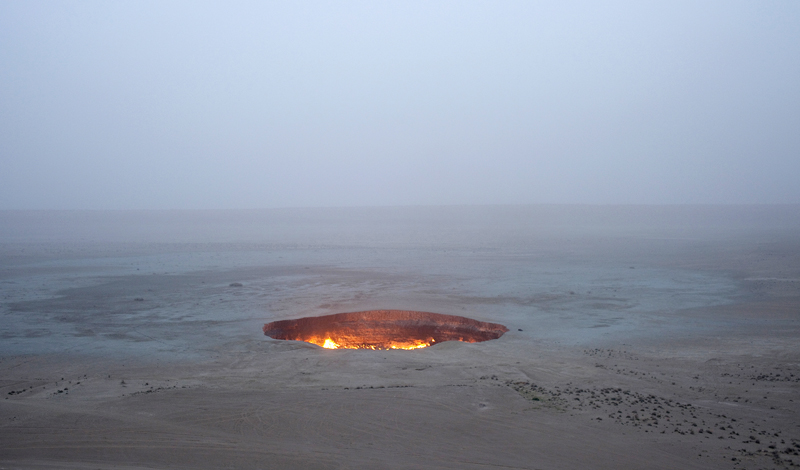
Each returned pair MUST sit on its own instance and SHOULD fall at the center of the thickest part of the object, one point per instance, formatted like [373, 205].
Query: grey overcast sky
[193, 105]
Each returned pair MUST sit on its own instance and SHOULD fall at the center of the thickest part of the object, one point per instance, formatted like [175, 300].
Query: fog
[191, 105]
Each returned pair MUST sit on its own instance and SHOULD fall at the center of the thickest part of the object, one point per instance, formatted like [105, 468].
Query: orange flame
[329, 343]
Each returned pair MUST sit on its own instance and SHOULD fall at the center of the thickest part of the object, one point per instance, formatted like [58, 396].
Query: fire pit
[383, 329]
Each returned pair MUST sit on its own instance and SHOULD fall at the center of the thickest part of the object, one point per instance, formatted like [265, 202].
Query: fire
[329, 343]
[415, 345]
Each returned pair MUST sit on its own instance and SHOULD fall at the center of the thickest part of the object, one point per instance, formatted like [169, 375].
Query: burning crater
[383, 329]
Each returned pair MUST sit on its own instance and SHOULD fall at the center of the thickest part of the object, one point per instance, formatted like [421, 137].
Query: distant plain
[640, 337]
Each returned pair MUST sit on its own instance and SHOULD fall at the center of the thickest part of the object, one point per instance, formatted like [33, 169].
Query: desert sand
[638, 338]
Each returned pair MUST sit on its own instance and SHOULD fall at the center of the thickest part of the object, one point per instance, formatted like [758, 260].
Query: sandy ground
[624, 351]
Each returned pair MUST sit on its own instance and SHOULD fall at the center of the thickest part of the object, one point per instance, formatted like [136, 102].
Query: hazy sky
[149, 105]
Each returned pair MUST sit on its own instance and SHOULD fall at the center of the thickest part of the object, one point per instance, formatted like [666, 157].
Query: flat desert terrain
[639, 337]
